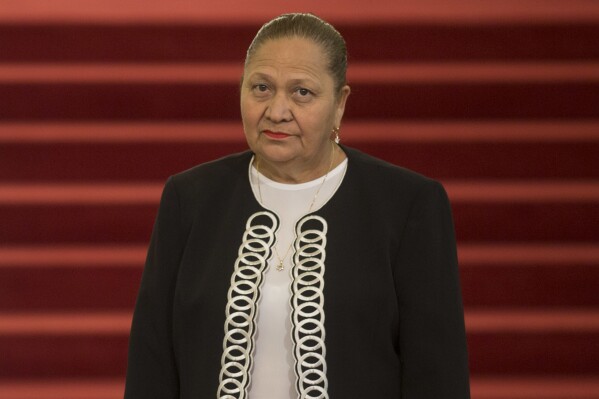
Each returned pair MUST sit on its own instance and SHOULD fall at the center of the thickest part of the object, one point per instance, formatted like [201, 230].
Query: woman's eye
[260, 88]
[302, 94]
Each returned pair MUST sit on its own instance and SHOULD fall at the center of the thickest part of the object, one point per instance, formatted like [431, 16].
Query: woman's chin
[277, 154]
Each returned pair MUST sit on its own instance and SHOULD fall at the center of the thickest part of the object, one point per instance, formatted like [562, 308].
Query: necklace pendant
[280, 266]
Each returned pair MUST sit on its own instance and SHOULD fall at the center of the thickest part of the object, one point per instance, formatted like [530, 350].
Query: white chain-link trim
[238, 343]
[307, 308]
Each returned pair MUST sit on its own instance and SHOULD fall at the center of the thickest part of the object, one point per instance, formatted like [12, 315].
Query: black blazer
[385, 316]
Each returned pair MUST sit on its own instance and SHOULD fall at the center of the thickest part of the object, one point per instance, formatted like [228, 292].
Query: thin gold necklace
[280, 266]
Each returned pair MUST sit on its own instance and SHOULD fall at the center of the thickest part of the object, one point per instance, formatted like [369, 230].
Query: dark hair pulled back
[308, 26]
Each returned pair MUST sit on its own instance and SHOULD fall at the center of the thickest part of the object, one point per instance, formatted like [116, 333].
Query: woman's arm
[151, 370]
[432, 341]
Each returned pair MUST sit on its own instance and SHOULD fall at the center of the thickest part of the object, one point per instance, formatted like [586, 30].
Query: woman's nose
[279, 108]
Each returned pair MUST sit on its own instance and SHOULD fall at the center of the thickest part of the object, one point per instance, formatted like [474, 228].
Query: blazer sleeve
[151, 369]
[432, 339]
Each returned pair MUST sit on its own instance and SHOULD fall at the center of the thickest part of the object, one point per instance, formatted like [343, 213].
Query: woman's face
[288, 103]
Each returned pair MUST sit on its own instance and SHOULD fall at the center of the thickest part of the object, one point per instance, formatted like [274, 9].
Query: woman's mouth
[276, 135]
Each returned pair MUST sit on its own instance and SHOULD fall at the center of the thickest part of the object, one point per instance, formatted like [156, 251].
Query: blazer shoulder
[389, 176]
[214, 173]
[206, 185]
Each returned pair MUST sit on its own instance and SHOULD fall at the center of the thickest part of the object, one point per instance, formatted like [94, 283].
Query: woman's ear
[341, 100]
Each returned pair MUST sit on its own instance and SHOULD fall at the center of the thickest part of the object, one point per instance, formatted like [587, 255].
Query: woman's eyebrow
[302, 81]
[260, 75]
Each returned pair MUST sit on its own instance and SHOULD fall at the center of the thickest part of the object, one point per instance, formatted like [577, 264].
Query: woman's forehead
[289, 56]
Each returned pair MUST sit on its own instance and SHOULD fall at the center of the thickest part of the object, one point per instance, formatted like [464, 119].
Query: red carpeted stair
[99, 105]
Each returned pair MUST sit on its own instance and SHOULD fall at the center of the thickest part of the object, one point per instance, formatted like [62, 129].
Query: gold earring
[336, 133]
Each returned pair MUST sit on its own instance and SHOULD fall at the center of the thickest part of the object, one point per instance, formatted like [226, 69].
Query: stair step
[73, 256]
[57, 324]
[532, 321]
[386, 101]
[357, 132]
[63, 356]
[63, 389]
[567, 33]
[526, 222]
[74, 288]
[500, 342]
[115, 286]
[231, 11]
[493, 276]
[76, 224]
[520, 276]
[565, 285]
[562, 387]
[459, 192]
[500, 149]
[471, 255]
[358, 73]
[481, 388]
[132, 223]
[127, 161]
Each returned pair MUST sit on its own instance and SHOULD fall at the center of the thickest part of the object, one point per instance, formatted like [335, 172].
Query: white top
[273, 376]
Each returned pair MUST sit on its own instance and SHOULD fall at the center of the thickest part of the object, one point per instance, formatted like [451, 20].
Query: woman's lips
[276, 135]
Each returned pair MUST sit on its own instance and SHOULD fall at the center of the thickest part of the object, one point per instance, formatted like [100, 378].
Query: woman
[301, 268]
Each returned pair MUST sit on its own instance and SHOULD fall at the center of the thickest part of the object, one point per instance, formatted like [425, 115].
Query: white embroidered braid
[307, 308]
[243, 294]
